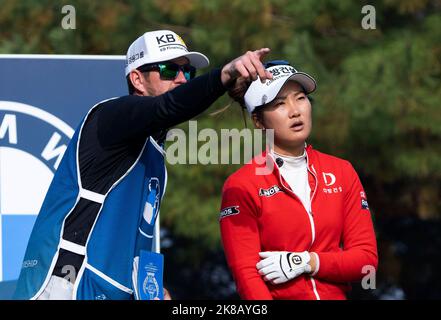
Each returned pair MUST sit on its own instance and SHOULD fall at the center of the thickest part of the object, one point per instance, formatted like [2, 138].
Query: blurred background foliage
[377, 105]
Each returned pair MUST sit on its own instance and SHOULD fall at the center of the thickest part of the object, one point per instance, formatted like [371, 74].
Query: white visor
[260, 93]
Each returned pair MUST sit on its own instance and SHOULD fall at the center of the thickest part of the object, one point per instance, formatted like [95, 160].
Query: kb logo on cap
[168, 38]
[170, 41]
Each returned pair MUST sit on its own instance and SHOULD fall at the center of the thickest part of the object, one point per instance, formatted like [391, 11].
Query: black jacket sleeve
[133, 117]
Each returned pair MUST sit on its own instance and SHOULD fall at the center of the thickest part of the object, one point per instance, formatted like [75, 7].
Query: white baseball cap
[260, 93]
[159, 46]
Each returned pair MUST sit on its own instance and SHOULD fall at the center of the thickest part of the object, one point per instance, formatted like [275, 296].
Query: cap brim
[196, 59]
[306, 81]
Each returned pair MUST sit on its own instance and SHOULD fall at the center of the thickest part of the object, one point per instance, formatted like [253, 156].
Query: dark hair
[130, 86]
[259, 112]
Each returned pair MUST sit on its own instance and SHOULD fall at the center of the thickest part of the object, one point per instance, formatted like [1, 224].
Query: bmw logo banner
[42, 100]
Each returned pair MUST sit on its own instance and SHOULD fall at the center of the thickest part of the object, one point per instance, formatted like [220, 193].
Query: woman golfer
[302, 229]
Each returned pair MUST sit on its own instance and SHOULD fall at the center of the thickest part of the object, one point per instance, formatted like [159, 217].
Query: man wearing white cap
[303, 230]
[101, 207]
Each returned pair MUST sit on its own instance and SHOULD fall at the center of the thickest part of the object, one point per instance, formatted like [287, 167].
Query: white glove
[281, 266]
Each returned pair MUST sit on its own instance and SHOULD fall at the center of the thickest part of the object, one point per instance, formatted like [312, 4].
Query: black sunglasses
[170, 70]
[273, 63]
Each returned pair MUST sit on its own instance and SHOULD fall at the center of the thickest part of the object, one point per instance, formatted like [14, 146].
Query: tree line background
[377, 105]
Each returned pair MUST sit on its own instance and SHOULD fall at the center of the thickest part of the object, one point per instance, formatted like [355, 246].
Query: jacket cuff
[317, 264]
[216, 82]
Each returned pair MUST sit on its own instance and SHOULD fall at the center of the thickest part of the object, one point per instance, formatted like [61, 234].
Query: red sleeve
[240, 239]
[359, 253]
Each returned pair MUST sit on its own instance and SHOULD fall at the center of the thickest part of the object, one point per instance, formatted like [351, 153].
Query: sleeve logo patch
[229, 211]
[364, 204]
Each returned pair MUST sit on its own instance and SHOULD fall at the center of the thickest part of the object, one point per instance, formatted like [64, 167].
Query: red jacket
[261, 213]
